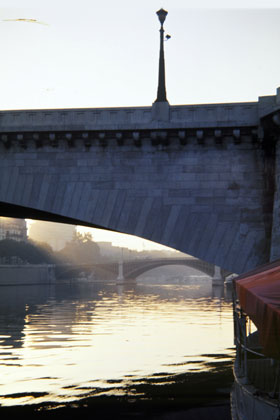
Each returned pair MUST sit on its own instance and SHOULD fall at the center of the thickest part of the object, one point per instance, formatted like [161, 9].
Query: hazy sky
[89, 53]
[105, 53]
[122, 240]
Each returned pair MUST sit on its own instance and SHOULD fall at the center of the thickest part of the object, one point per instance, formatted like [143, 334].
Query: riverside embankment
[26, 274]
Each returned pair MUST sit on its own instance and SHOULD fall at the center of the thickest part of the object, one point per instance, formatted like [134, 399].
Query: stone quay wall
[16, 275]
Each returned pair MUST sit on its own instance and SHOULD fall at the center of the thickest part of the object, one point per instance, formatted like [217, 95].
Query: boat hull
[247, 404]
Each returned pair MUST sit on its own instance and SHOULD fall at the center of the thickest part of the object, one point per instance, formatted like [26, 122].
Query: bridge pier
[217, 279]
[120, 278]
[275, 231]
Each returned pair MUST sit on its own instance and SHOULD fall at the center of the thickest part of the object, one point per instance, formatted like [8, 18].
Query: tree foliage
[80, 250]
[28, 251]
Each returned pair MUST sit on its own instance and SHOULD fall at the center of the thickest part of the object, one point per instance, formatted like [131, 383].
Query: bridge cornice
[107, 137]
[129, 118]
[49, 126]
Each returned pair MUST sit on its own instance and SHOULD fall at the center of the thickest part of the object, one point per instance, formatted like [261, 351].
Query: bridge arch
[203, 181]
[142, 267]
[132, 269]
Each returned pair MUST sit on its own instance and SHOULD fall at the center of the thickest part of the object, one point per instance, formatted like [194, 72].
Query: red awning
[259, 295]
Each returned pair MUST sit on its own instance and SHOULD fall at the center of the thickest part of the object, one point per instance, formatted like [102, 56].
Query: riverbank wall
[16, 275]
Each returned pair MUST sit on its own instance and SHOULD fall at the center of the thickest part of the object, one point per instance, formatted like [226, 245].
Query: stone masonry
[201, 181]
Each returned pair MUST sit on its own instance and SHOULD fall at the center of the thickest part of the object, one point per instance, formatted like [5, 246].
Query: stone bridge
[133, 268]
[203, 179]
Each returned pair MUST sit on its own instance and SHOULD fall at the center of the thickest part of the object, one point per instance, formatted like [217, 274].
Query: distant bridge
[133, 268]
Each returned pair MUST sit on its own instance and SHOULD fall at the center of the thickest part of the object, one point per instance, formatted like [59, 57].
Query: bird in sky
[25, 20]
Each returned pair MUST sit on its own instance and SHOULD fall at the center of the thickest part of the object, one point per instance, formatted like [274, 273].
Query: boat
[255, 393]
[229, 278]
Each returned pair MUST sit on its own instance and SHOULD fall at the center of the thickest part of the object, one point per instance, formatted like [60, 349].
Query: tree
[81, 249]
[27, 251]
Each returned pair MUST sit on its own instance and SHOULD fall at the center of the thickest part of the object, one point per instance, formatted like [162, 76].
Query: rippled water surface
[63, 342]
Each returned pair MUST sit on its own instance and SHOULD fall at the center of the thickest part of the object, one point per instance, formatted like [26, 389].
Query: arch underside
[11, 210]
[22, 212]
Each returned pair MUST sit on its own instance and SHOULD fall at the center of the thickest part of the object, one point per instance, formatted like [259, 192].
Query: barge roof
[259, 296]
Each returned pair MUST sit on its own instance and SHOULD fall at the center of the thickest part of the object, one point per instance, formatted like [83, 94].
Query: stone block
[85, 199]
[40, 163]
[204, 201]
[193, 169]
[182, 201]
[100, 206]
[12, 183]
[18, 162]
[44, 187]
[26, 191]
[207, 177]
[119, 203]
[188, 177]
[251, 215]
[171, 223]
[133, 216]
[200, 208]
[178, 192]
[207, 235]
[59, 196]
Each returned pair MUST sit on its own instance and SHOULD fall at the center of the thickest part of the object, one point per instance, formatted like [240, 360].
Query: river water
[65, 342]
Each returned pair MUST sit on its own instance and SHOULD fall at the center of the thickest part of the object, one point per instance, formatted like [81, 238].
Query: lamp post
[161, 93]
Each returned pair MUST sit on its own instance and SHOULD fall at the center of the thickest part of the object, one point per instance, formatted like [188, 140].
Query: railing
[253, 366]
[12, 260]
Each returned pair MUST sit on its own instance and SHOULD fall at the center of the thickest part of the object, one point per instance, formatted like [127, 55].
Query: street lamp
[161, 93]
[162, 15]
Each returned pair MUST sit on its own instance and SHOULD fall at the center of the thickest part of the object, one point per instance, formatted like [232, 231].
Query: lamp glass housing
[162, 15]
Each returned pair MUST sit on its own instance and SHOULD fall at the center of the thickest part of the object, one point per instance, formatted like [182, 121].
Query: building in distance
[14, 229]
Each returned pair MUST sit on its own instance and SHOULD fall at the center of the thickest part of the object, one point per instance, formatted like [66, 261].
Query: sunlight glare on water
[63, 342]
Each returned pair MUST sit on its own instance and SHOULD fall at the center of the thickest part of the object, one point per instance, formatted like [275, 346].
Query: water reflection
[68, 341]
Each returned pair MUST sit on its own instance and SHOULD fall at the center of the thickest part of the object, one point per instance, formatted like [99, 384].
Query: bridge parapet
[129, 118]
[37, 128]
